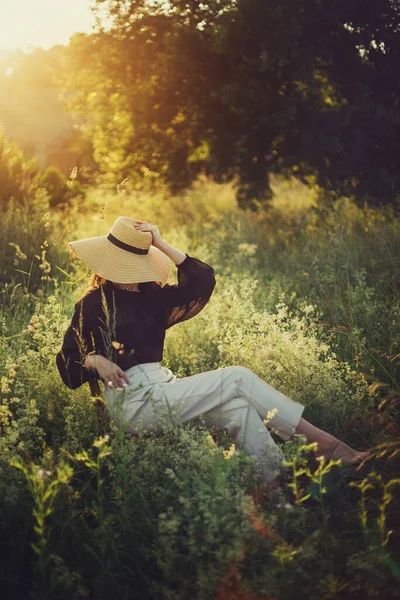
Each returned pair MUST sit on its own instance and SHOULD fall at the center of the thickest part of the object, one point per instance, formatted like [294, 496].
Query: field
[308, 298]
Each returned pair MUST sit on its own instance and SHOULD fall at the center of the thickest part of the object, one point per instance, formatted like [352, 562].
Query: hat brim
[121, 266]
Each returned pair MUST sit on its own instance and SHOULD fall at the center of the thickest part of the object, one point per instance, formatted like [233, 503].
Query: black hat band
[126, 247]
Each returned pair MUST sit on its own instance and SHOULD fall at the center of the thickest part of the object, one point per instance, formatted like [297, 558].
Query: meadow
[307, 297]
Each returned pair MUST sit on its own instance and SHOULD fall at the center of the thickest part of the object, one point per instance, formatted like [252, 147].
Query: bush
[59, 189]
[86, 511]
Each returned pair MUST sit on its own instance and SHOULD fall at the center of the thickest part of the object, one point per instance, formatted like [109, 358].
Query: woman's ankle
[326, 444]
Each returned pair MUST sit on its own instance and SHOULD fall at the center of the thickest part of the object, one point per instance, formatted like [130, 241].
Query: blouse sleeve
[77, 343]
[184, 300]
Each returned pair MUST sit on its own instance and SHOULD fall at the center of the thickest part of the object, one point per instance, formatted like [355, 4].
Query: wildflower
[5, 388]
[34, 323]
[118, 346]
[229, 453]
[309, 308]
[46, 219]
[12, 372]
[247, 249]
[101, 441]
[18, 251]
[210, 441]
[121, 187]
[270, 415]
[44, 265]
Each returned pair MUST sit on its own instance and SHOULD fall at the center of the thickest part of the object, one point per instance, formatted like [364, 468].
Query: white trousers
[233, 397]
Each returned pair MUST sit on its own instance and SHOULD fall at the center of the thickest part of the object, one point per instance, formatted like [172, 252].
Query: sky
[30, 23]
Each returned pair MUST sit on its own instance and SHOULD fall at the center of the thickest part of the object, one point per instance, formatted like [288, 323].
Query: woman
[117, 335]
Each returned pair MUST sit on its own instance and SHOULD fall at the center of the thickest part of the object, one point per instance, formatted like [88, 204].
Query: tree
[16, 171]
[248, 87]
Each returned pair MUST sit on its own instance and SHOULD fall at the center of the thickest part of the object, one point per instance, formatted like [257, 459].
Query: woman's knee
[240, 370]
[241, 377]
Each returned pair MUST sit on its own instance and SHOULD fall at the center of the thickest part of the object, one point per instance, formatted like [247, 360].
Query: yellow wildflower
[209, 442]
[270, 415]
[229, 453]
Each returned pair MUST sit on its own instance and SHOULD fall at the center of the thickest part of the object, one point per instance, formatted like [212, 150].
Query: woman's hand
[108, 371]
[144, 226]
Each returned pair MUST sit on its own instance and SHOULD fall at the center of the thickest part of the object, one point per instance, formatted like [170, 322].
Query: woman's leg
[248, 431]
[232, 397]
[328, 445]
[286, 412]
[190, 397]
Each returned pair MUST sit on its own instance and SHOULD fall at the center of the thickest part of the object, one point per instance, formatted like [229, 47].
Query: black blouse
[129, 327]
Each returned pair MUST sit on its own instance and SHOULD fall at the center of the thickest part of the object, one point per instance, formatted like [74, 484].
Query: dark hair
[96, 281]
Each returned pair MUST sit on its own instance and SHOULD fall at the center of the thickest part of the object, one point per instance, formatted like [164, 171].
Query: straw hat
[124, 255]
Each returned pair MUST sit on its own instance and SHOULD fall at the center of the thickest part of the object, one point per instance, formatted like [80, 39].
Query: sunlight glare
[27, 24]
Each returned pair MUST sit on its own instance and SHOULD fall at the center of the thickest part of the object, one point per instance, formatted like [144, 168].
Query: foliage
[32, 113]
[58, 187]
[88, 512]
[242, 90]
[31, 244]
[16, 172]
[246, 89]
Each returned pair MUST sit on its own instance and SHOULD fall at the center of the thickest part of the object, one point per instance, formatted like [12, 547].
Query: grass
[307, 296]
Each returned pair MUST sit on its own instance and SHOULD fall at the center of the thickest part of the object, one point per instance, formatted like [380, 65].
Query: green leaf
[21, 271]
[64, 272]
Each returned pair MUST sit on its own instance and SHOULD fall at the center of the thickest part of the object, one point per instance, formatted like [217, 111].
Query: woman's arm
[196, 281]
[175, 255]
[184, 300]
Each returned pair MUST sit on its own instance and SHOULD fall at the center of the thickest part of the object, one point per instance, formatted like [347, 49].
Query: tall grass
[307, 297]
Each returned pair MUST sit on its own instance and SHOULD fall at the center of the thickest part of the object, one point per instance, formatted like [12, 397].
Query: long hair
[96, 281]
